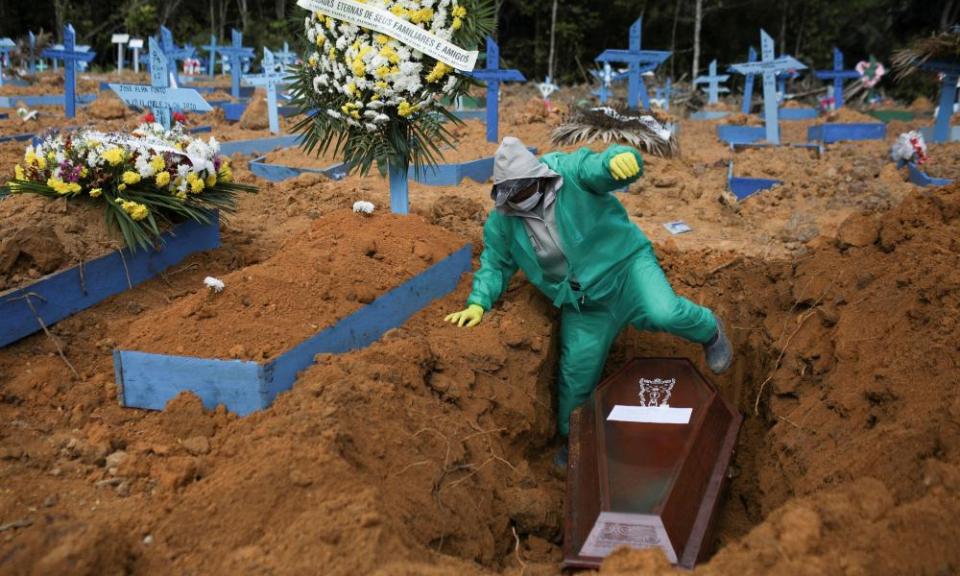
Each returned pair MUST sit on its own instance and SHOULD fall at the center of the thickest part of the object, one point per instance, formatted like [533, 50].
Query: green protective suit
[620, 280]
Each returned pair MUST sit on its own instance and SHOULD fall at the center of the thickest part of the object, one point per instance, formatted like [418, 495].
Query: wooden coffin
[643, 474]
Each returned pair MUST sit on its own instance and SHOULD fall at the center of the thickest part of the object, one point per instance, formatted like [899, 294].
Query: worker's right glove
[469, 317]
[624, 166]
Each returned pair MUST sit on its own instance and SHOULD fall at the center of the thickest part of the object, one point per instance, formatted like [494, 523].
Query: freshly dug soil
[40, 236]
[255, 117]
[943, 161]
[848, 115]
[343, 262]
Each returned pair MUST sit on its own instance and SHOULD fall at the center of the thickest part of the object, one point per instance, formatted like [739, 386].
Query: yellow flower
[321, 40]
[18, 172]
[405, 109]
[358, 67]
[438, 72]
[113, 156]
[96, 192]
[122, 187]
[181, 195]
[457, 23]
[130, 178]
[30, 157]
[331, 23]
[382, 72]
[162, 179]
[195, 182]
[351, 88]
[84, 172]
[136, 210]
[63, 188]
[459, 12]
[398, 11]
[381, 38]
[157, 163]
[211, 180]
[390, 54]
[226, 173]
[381, 85]
[422, 15]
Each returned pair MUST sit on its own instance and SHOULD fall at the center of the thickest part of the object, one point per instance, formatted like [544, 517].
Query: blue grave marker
[71, 56]
[236, 54]
[32, 63]
[782, 82]
[748, 83]
[173, 53]
[948, 96]
[605, 77]
[6, 46]
[493, 75]
[285, 56]
[838, 75]
[160, 96]
[713, 81]
[120, 40]
[272, 76]
[211, 48]
[42, 66]
[636, 58]
[769, 66]
[136, 44]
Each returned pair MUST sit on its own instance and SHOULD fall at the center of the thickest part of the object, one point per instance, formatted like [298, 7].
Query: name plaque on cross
[648, 457]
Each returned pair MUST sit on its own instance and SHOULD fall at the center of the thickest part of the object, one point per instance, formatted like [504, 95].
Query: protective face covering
[528, 204]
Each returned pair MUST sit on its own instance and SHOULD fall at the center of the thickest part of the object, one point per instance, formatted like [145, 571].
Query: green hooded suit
[608, 257]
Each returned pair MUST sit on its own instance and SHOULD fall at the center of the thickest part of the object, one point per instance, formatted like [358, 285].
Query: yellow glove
[469, 317]
[623, 166]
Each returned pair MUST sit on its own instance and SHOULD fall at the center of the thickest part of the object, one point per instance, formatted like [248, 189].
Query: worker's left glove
[624, 166]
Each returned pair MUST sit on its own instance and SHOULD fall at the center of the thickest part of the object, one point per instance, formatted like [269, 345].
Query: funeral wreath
[145, 180]
[376, 97]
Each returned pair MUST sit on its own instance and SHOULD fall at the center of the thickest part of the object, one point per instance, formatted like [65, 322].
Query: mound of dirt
[343, 262]
[943, 161]
[107, 106]
[847, 115]
[255, 116]
[40, 236]
[921, 104]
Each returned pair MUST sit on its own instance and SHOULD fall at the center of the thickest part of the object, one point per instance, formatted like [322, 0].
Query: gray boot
[719, 351]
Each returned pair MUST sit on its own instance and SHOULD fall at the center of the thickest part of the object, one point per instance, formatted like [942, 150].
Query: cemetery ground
[429, 452]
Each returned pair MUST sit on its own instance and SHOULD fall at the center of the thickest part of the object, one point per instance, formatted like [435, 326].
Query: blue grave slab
[44, 100]
[743, 188]
[151, 380]
[741, 134]
[920, 178]
[65, 293]
[830, 133]
[278, 172]
[636, 59]
[796, 114]
[709, 115]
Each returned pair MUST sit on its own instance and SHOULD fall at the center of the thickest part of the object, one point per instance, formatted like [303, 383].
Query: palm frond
[645, 132]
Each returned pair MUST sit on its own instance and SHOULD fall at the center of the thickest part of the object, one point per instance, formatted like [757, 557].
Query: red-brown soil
[429, 452]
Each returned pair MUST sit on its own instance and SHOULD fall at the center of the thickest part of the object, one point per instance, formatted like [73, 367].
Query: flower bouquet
[145, 180]
[376, 72]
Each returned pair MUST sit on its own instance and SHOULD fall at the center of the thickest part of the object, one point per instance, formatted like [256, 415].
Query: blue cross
[948, 96]
[171, 50]
[493, 75]
[212, 49]
[71, 55]
[664, 93]
[6, 46]
[713, 81]
[748, 85]
[769, 66]
[636, 58]
[236, 54]
[838, 74]
[160, 97]
[285, 56]
[32, 64]
[608, 78]
[272, 76]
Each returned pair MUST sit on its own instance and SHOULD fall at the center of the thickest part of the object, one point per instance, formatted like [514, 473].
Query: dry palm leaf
[943, 46]
[645, 131]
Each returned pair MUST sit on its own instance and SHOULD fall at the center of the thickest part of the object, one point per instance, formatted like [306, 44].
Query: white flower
[144, 168]
[214, 284]
[363, 207]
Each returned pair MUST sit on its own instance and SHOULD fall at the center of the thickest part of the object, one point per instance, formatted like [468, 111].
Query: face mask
[528, 204]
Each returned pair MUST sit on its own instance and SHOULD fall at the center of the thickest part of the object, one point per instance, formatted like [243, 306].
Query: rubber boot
[719, 351]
